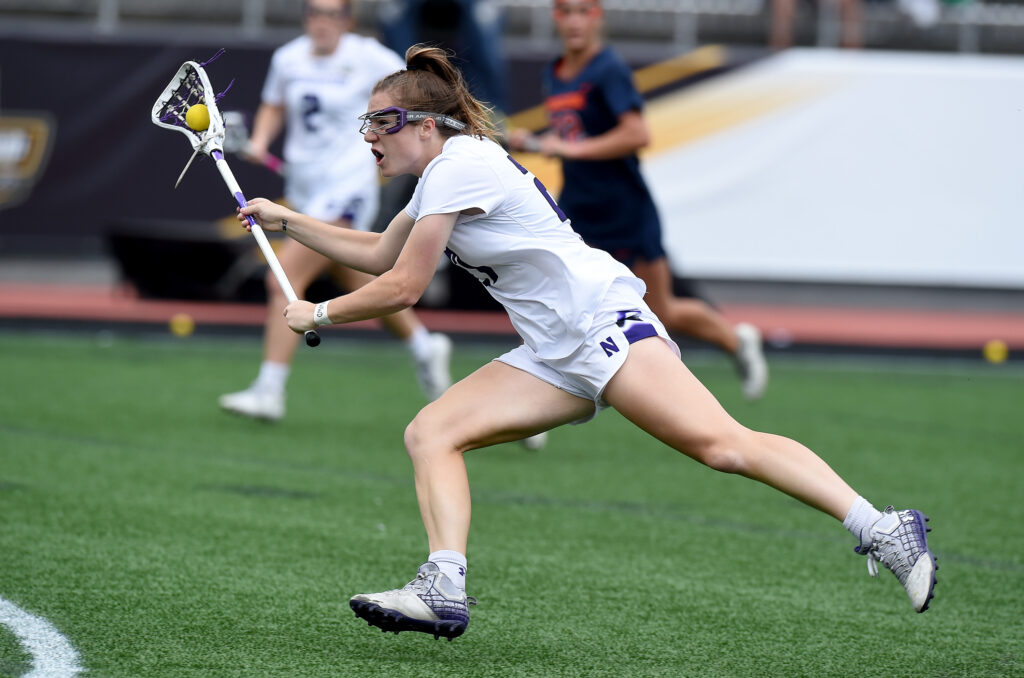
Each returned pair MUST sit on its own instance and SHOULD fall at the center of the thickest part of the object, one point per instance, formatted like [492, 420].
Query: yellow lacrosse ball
[996, 351]
[198, 117]
[182, 324]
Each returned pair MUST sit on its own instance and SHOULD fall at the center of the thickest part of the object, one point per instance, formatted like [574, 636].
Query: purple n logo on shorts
[609, 346]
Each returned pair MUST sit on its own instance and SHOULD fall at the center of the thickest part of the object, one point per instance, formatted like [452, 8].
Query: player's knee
[413, 437]
[424, 436]
[720, 452]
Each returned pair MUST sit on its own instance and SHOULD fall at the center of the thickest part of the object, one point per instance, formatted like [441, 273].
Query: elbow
[643, 138]
[640, 134]
[405, 292]
[407, 297]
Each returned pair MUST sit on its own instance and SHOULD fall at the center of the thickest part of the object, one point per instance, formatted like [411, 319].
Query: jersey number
[543, 191]
[485, 274]
[310, 107]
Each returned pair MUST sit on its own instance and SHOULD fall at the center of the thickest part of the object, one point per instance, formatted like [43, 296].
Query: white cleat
[750, 362]
[899, 541]
[430, 603]
[535, 442]
[433, 373]
[255, 404]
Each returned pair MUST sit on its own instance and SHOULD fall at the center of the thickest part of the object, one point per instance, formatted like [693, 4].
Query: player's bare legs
[683, 414]
[697, 319]
[497, 403]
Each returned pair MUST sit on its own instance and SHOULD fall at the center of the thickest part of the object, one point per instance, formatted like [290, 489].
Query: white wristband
[320, 316]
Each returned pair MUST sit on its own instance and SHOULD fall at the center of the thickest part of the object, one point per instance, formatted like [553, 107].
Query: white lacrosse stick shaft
[190, 86]
[312, 338]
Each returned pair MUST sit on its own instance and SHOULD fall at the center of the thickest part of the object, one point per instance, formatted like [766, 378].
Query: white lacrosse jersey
[522, 248]
[323, 97]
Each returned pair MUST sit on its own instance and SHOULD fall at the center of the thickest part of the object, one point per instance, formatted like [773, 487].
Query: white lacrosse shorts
[334, 201]
[623, 319]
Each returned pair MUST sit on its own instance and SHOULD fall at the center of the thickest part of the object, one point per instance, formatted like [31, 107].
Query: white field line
[52, 654]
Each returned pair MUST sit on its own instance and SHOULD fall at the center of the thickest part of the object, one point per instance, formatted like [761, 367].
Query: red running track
[782, 325]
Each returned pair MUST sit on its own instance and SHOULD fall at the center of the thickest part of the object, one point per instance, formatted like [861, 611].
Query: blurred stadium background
[86, 197]
[910, 205]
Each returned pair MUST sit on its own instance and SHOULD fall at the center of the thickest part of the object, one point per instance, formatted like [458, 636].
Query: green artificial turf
[165, 538]
[14, 660]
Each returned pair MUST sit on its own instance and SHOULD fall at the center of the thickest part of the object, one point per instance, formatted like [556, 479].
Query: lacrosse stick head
[191, 86]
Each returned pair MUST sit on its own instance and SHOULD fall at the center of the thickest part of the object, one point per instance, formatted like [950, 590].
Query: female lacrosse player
[317, 83]
[597, 129]
[590, 341]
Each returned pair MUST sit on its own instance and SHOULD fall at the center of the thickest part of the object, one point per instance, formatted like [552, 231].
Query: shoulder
[293, 51]
[296, 46]
[482, 150]
[369, 47]
[469, 174]
[609, 62]
[467, 157]
[365, 43]
[462, 148]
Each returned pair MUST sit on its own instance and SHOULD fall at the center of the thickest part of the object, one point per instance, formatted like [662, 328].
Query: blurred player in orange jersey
[597, 128]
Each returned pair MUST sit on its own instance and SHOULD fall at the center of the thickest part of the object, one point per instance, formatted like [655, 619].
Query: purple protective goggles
[392, 119]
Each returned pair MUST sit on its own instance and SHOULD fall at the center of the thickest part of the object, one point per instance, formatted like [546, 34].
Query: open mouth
[378, 155]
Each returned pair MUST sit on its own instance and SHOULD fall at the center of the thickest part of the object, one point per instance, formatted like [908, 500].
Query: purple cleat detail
[899, 541]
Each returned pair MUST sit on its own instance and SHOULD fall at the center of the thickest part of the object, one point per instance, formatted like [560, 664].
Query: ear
[427, 127]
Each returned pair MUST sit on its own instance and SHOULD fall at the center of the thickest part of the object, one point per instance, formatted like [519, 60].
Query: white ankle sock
[860, 518]
[453, 564]
[272, 376]
[420, 345]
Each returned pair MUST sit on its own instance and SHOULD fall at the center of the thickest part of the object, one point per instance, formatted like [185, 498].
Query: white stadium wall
[859, 167]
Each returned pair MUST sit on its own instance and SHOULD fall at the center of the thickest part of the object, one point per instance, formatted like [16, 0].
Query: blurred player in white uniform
[589, 341]
[317, 85]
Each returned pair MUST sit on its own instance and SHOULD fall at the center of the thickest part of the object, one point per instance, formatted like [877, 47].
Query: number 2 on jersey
[540, 187]
[310, 107]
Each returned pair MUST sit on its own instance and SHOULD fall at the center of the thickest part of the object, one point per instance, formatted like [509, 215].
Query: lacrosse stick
[236, 136]
[191, 86]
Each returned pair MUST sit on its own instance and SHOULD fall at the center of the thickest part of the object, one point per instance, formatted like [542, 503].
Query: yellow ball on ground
[995, 351]
[182, 324]
[198, 117]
